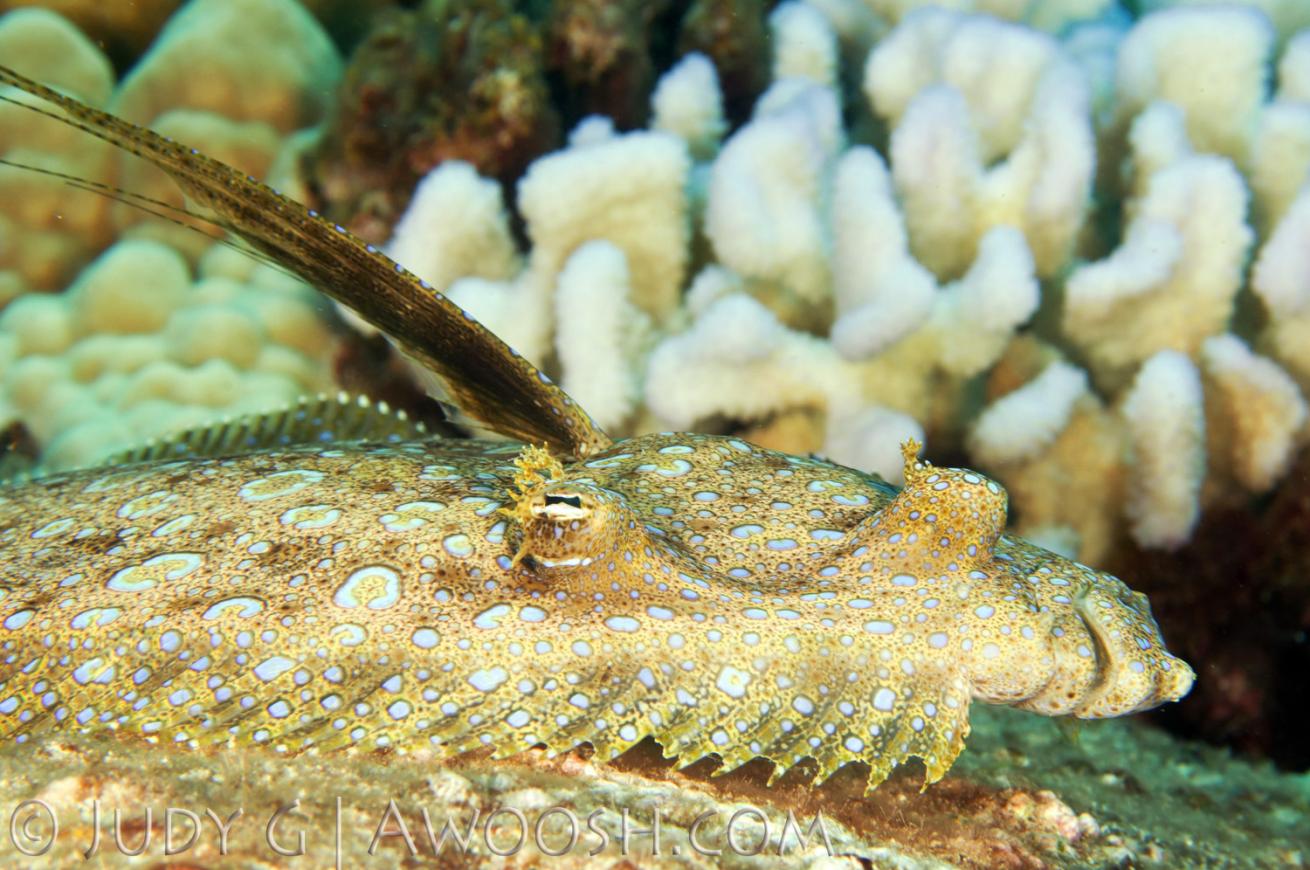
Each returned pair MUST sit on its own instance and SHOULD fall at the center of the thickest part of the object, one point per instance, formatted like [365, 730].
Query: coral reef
[166, 328]
[494, 84]
[987, 278]
[136, 348]
[452, 80]
[122, 30]
[1063, 258]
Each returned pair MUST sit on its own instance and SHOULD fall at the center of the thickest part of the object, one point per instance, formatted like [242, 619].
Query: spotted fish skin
[718, 596]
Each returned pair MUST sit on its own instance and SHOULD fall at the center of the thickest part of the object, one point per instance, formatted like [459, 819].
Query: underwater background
[1065, 243]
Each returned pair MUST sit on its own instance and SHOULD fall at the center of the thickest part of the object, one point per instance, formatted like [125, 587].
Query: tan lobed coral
[122, 29]
[157, 326]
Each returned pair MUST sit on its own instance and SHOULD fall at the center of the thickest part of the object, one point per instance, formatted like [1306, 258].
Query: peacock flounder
[417, 592]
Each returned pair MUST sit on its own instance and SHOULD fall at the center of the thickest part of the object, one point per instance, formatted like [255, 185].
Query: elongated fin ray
[158, 209]
[481, 374]
[313, 420]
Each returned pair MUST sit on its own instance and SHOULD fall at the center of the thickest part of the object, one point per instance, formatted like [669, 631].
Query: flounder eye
[566, 525]
[560, 505]
[574, 500]
[572, 508]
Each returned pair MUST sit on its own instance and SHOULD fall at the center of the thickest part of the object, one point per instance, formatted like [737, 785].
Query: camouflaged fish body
[720, 597]
[717, 596]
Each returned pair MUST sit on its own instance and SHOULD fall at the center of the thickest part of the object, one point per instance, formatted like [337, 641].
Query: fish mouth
[1129, 679]
[1184, 679]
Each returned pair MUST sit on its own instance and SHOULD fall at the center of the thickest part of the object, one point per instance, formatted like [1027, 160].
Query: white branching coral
[1281, 279]
[738, 359]
[601, 337]
[628, 190]
[1028, 420]
[960, 284]
[1287, 16]
[881, 292]
[632, 186]
[1211, 62]
[1255, 415]
[688, 104]
[804, 44]
[1184, 250]
[1164, 411]
[990, 126]
[477, 244]
[766, 194]
[1046, 15]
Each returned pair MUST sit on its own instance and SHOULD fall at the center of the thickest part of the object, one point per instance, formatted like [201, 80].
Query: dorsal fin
[483, 376]
[312, 420]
